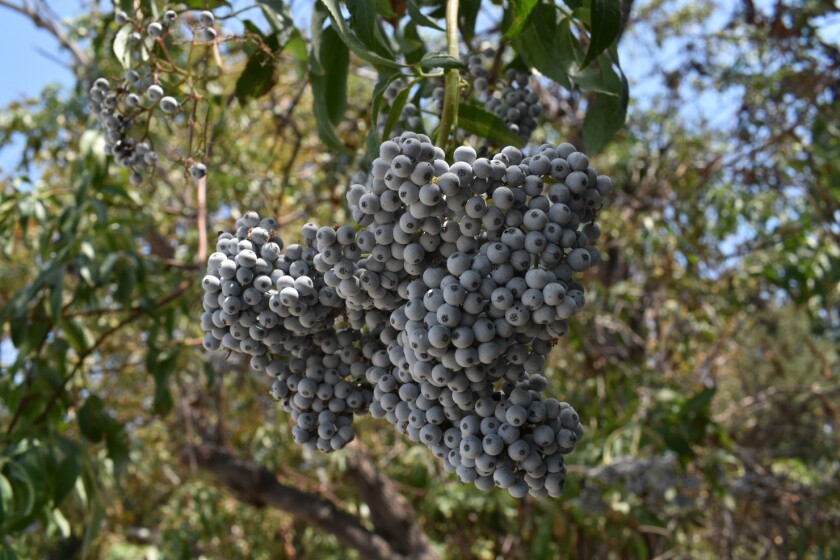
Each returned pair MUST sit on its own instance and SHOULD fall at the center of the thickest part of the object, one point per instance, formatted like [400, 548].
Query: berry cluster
[516, 103]
[117, 109]
[435, 311]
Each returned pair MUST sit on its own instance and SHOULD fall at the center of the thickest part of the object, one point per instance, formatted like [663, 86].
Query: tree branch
[258, 486]
[391, 514]
[81, 58]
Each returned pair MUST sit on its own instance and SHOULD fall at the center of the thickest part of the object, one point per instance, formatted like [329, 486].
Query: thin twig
[183, 287]
[453, 78]
[201, 220]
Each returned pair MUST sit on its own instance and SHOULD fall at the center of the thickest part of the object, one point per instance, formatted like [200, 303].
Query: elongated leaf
[420, 19]
[260, 74]
[335, 59]
[599, 77]
[352, 41]
[373, 139]
[77, 334]
[605, 117]
[605, 26]
[116, 442]
[477, 120]
[122, 49]
[437, 59]
[468, 16]
[411, 44]
[161, 370]
[206, 4]
[280, 18]
[93, 527]
[545, 45]
[366, 25]
[6, 497]
[519, 12]
[66, 474]
[329, 89]
[316, 29]
[91, 419]
[396, 111]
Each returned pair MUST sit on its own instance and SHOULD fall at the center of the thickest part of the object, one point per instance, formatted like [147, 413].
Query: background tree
[704, 365]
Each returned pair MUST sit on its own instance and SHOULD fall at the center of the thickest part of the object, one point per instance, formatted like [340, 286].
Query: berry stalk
[453, 77]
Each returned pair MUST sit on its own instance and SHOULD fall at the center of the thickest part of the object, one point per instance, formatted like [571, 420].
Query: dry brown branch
[256, 485]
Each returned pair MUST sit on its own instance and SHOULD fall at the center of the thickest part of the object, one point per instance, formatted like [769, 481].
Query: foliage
[707, 347]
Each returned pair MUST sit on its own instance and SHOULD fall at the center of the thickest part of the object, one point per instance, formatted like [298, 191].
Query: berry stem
[453, 78]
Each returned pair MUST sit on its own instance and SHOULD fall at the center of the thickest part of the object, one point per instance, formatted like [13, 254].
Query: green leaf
[122, 50]
[373, 139]
[599, 77]
[335, 60]
[605, 26]
[519, 12]
[60, 522]
[6, 496]
[365, 23]
[77, 335]
[260, 74]
[477, 120]
[206, 4]
[411, 44]
[437, 59]
[467, 17]
[352, 41]
[319, 16]
[92, 418]
[280, 19]
[7, 552]
[384, 9]
[116, 442]
[421, 19]
[162, 370]
[396, 111]
[605, 117]
[700, 401]
[329, 89]
[296, 48]
[93, 527]
[68, 470]
[546, 45]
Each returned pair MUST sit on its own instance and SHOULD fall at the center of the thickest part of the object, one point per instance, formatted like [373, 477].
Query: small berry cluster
[516, 103]
[117, 109]
[435, 311]
[409, 116]
[510, 98]
[205, 31]
[154, 29]
[123, 109]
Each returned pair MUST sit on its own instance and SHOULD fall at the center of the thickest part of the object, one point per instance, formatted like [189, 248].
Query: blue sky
[26, 70]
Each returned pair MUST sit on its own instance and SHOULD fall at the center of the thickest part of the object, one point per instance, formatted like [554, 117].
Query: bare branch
[201, 220]
[391, 514]
[258, 486]
[39, 19]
